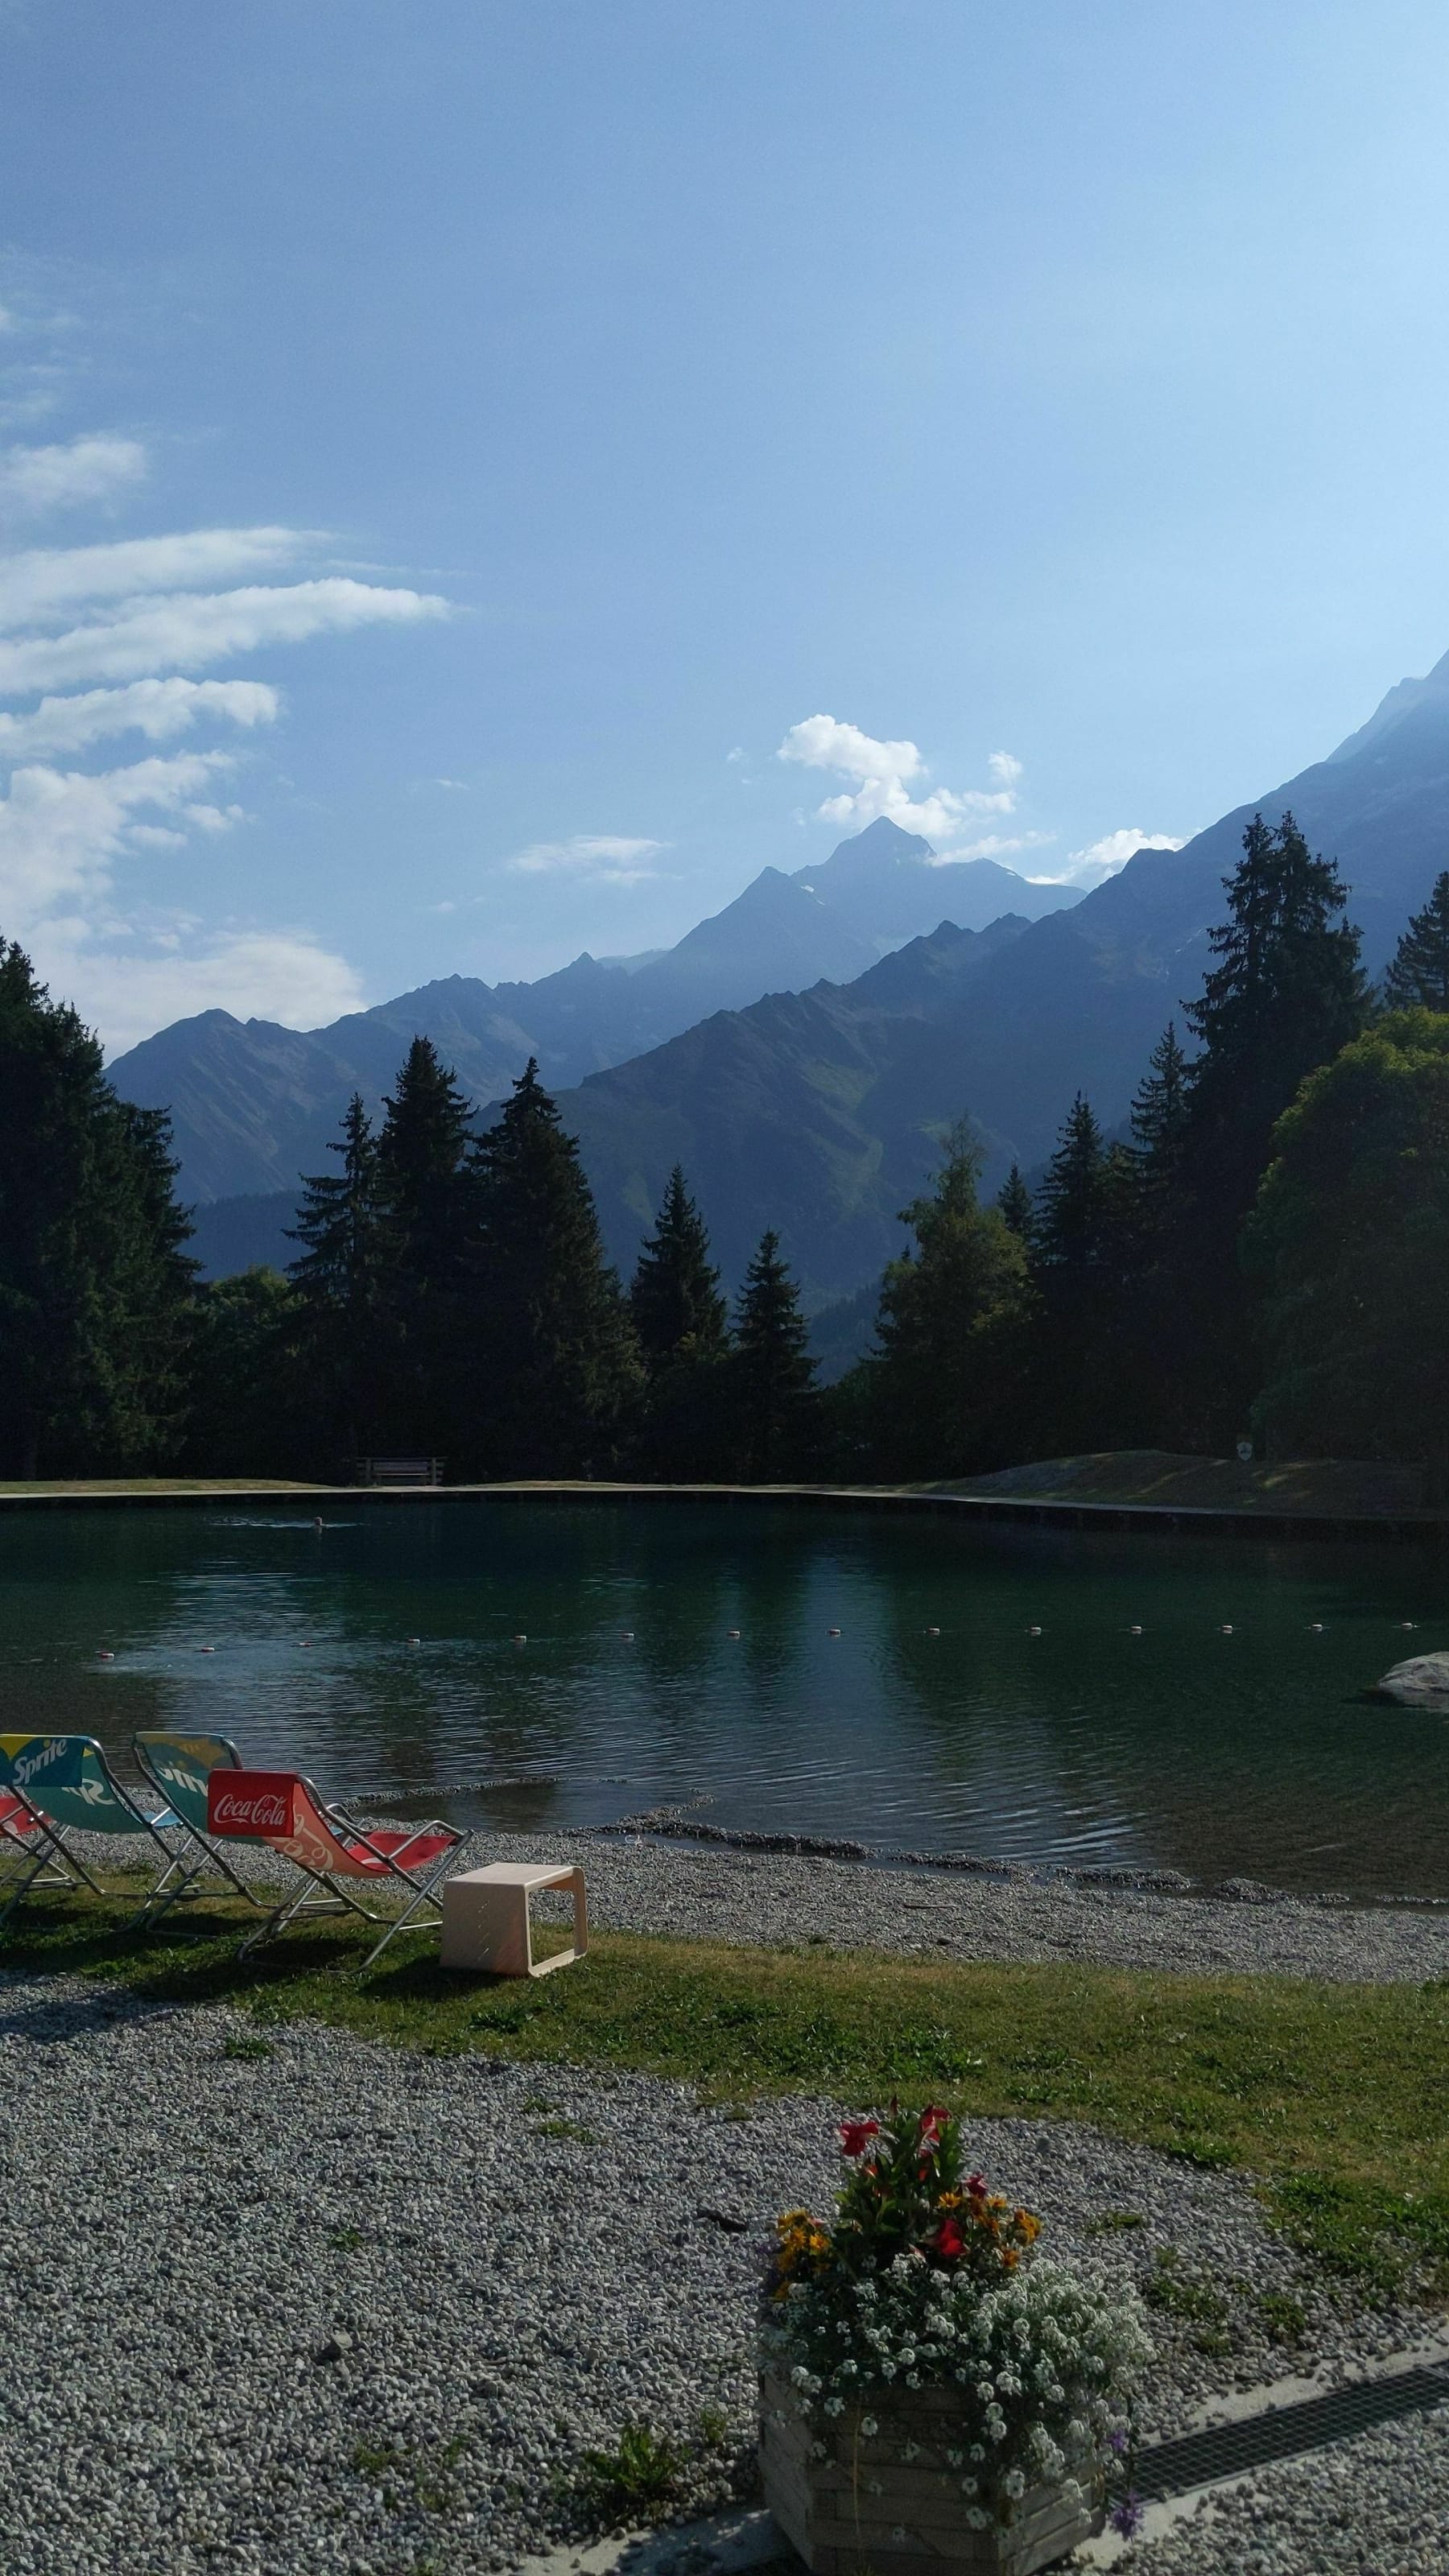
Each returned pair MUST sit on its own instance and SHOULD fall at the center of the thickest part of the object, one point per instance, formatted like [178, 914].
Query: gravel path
[724, 1893]
[1375, 2506]
[337, 2306]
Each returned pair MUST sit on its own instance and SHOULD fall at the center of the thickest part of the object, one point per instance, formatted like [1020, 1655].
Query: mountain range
[819, 1111]
[253, 1103]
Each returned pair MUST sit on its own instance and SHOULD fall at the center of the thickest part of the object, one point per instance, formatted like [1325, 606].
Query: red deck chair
[42, 1861]
[329, 1847]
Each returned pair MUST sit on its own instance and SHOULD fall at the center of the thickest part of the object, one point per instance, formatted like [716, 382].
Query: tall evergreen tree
[675, 1298]
[95, 1286]
[556, 1369]
[1418, 976]
[425, 1194]
[338, 1278]
[944, 1378]
[1159, 1116]
[1070, 1217]
[1286, 994]
[776, 1400]
[1014, 1201]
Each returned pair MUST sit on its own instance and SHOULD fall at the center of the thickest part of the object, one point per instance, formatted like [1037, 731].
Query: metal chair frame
[43, 1861]
[179, 1785]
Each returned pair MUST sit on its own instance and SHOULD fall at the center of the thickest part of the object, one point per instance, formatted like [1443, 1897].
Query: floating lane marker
[1315, 1627]
[1135, 1630]
[1406, 1623]
[104, 1655]
[206, 1650]
[520, 1641]
[732, 1632]
[1033, 1632]
[1227, 1629]
[832, 1632]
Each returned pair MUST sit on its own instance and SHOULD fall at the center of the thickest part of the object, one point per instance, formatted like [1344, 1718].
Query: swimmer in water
[317, 1522]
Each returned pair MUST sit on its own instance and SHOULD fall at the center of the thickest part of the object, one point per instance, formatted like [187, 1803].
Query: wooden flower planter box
[868, 2510]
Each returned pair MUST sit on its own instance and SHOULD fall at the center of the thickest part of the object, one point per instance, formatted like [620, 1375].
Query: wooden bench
[398, 1471]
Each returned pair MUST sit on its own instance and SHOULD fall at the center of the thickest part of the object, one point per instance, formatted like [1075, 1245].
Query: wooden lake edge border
[1020, 1510]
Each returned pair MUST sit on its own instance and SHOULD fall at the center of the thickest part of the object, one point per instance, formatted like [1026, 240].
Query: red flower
[949, 2239]
[933, 2120]
[855, 2136]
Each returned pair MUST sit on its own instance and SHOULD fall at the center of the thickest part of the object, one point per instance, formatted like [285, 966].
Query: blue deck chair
[69, 1781]
[178, 1767]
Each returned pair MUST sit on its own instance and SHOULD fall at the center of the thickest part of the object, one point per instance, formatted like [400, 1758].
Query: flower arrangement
[928, 2279]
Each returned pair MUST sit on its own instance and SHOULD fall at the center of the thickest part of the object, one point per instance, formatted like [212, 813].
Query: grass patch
[245, 2044]
[1337, 2095]
[635, 2481]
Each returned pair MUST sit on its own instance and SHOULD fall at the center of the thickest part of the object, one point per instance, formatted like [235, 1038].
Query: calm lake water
[1254, 1753]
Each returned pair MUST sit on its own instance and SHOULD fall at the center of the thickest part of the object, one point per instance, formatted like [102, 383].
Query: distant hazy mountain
[252, 1103]
[820, 1114]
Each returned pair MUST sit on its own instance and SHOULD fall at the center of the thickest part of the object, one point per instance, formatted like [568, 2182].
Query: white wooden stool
[486, 1922]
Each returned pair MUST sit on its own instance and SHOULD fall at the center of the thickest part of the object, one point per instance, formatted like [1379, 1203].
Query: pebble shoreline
[345, 2307]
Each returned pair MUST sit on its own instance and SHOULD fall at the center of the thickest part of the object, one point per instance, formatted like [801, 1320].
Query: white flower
[868, 2425]
[1013, 2485]
[976, 2520]
[835, 2406]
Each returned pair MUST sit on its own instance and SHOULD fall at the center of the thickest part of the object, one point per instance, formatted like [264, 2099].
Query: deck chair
[30, 1853]
[178, 1768]
[329, 1847]
[68, 1780]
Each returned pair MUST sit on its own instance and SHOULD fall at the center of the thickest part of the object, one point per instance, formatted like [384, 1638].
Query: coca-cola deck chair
[71, 1786]
[330, 1848]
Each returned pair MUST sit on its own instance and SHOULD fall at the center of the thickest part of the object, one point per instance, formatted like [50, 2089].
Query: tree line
[1263, 1249]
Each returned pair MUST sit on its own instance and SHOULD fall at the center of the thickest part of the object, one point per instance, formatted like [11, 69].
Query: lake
[1253, 1754]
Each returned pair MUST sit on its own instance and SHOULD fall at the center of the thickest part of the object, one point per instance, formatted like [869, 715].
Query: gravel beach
[289, 2300]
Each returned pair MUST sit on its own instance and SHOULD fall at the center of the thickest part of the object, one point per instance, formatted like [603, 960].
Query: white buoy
[414, 1641]
[628, 1636]
[732, 1632]
[1406, 1623]
[1227, 1628]
[206, 1650]
[1134, 1630]
[104, 1655]
[518, 1641]
[933, 1632]
[1315, 1627]
[1033, 1632]
[306, 1641]
[832, 1632]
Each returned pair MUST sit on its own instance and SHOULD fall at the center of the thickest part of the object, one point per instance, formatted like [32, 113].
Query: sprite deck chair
[178, 1768]
[70, 1784]
[30, 1855]
[330, 1848]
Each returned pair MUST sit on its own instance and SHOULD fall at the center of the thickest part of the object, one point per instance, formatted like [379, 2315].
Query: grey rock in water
[1421, 1677]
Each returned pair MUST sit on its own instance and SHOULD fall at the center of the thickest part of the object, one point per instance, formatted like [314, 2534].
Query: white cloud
[160, 709]
[1107, 857]
[993, 845]
[50, 581]
[187, 630]
[60, 830]
[605, 856]
[37, 479]
[283, 975]
[883, 775]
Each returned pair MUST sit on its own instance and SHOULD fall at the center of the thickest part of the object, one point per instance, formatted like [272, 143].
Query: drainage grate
[1226, 2450]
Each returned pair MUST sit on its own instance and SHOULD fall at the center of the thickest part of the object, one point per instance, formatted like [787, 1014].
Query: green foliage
[1350, 1242]
[952, 1315]
[1014, 1201]
[339, 1282]
[555, 1367]
[680, 1319]
[635, 2481]
[1418, 974]
[425, 1199]
[95, 1287]
[248, 1416]
[772, 1392]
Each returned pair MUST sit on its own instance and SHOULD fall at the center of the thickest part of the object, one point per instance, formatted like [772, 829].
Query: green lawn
[1337, 2096]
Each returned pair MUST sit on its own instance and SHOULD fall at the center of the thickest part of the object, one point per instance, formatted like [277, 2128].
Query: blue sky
[448, 450]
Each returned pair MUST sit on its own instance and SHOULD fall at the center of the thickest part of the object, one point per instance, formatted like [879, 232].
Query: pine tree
[1070, 1216]
[556, 1365]
[675, 1299]
[1160, 1107]
[1286, 993]
[1014, 1201]
[943, 1380]
[1418, 977]
[425, 1194]
[95, 1285]
[777, 1403]
[338, 1283]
